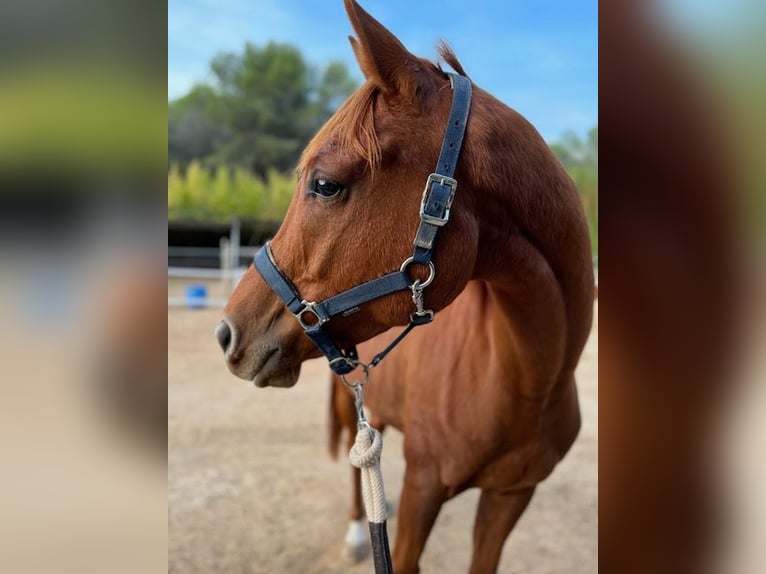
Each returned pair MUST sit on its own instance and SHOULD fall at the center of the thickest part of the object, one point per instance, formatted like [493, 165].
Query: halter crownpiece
[438, 196]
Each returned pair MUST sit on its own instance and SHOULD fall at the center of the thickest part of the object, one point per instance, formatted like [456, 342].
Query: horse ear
[381, 56]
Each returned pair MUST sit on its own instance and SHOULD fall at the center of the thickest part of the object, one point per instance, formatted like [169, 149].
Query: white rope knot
[367, 448]
[365, 455]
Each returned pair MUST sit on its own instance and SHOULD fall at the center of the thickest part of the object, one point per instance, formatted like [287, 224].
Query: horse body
[485, 397]
[486, 394]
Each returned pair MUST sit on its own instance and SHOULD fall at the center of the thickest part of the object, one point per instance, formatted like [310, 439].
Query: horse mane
[353, 125]
[447, 54]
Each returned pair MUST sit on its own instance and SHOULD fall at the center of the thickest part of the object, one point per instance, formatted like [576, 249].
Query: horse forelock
[351, 129]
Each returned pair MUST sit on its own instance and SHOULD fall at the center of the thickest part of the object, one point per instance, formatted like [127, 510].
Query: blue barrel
[196, 296]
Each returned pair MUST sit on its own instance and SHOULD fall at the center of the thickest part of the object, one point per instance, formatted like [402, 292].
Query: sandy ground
[251, 488]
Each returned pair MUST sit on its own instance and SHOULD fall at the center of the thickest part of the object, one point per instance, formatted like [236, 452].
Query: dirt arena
[251, 488]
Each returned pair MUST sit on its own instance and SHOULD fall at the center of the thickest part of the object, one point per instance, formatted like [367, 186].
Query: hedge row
[228, 192]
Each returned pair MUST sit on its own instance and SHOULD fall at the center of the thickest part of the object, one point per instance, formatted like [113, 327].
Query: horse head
[355, 213]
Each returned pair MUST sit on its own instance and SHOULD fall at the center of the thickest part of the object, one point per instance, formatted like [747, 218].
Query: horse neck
[534, 248]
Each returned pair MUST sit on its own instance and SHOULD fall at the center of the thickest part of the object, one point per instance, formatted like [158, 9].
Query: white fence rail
[228, 254]
[205, 273]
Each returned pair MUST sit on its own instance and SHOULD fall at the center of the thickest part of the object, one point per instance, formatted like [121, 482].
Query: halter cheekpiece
[435, 207]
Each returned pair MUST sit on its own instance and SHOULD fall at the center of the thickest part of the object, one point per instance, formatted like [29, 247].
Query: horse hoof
[357, 546]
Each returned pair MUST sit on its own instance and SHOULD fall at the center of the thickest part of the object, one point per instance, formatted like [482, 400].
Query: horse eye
[326, 188]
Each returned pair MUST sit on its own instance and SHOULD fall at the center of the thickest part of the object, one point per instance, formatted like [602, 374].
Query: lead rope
[365, 455]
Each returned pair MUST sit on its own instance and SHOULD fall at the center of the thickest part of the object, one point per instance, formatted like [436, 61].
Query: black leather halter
[434, 213]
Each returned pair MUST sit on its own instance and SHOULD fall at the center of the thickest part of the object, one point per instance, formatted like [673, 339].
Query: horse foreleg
[421, 500]
[495, 517]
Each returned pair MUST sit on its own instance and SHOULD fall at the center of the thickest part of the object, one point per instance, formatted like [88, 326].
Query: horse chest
[475, 435]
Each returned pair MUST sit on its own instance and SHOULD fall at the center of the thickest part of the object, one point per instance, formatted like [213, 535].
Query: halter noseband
[435, 206]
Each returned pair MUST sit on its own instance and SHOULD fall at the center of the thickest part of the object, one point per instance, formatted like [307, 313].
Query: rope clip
[421, 314]
[359, 402]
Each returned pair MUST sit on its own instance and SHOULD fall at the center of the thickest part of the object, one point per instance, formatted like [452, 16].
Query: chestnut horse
[485, 396]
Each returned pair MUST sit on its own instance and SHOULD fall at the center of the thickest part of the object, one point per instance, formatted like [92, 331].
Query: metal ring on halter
[431, 271]
[359, 383]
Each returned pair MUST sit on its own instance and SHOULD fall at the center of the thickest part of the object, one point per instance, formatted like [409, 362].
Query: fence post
[225, 257]
[235, 241]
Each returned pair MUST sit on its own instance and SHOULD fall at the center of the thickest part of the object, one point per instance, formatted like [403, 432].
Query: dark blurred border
[682, 224]
[83, 164]
[83, 332]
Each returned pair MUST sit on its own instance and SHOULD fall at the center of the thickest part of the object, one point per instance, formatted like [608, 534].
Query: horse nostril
[223, 334]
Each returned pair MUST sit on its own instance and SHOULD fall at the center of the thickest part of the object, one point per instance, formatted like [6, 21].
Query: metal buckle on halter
[441, 180]
[310, 307]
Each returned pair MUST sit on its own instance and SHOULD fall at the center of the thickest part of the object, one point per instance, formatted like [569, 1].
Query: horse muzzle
[260, 341]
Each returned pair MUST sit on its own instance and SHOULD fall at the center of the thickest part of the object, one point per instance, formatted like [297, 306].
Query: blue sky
[538, 56]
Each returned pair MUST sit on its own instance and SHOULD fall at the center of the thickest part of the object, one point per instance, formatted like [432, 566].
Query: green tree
[175, 190]
[333, 88]
[221, 196]
[280, 193]
[195, 126]
[580, 158]
[259, 112]
[196, 192]
[249, 195]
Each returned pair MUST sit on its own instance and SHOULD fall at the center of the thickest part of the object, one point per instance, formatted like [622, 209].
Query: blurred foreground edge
[670, 289]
